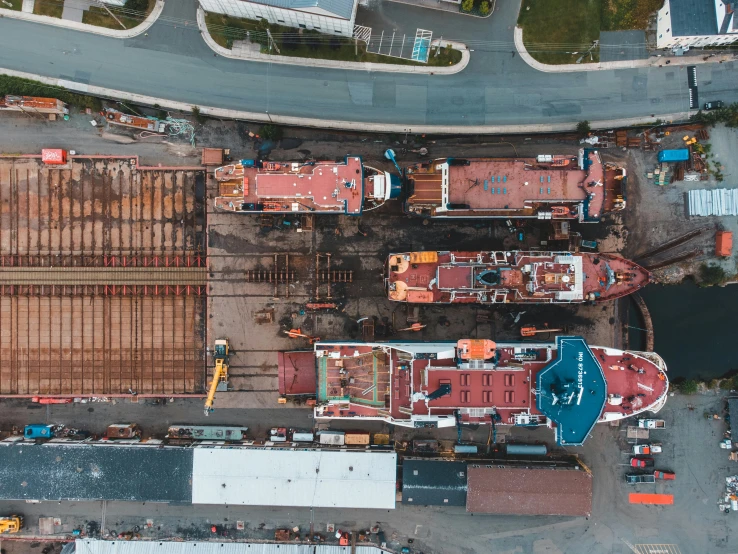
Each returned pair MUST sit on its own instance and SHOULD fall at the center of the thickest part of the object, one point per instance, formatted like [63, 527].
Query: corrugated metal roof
[340, 8]
[55, 471]
[433, 482]
[318, 478]
[91, 546]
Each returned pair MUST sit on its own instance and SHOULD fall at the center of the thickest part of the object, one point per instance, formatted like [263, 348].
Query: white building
[696, 23]
[332, 17]
[304, 477]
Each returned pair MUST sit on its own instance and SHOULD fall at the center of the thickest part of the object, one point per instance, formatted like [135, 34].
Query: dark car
[716, 105]
[641, 462]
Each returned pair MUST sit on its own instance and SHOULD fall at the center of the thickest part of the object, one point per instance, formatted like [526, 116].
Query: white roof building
[696, 23]
[310, 478]
[93, 546]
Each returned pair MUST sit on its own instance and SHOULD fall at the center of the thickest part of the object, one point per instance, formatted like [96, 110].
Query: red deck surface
[521, 277]
[297, 373]
[295, 187]
[512, 187]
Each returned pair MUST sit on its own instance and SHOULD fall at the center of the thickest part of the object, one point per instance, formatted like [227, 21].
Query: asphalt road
[496, 88]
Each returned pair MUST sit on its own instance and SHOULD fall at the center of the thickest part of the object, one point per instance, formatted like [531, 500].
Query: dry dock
[103, 278]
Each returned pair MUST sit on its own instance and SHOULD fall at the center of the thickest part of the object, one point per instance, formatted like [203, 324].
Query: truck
[666, 475]
[651, 424]
[11, 524]
[635, 478]
[641, 462]
[646, 449]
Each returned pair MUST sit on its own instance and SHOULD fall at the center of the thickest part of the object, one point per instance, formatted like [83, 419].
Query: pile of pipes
[713, 202]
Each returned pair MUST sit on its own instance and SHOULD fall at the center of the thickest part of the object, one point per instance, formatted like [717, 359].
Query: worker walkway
[111, 276]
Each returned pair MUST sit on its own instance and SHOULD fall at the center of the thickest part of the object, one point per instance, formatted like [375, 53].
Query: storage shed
[723, 243]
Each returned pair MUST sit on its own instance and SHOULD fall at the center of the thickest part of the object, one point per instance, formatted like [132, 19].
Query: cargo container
[642, 498]
[38, 431]
[526, 449]
[123, 431]
[54, 156]
[357, 439]
[207, 433]
[723, 243]
[302, 437]
[465, 449]
[678, 155]
[336, 438]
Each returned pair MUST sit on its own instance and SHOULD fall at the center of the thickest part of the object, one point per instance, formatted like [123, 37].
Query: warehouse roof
[316, 478]
[64, 471]
[529, 491]
[91, 546]
[433, 482]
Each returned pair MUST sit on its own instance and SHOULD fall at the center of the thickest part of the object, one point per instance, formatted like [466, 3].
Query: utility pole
[111, 14]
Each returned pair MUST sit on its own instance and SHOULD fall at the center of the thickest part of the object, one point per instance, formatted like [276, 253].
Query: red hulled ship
[510, 277]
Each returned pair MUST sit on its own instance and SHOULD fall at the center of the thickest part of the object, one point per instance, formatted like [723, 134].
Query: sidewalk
[77, 26]
[342, 125]
[652, 61]
[247, 52]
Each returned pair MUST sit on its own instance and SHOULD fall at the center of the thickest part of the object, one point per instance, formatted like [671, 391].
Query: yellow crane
[11, 524]
[220, 373]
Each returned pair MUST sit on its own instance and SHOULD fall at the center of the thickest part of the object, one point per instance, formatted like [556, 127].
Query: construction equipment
[532, 331]
[297, 333]
[11, 524]
[220, 374]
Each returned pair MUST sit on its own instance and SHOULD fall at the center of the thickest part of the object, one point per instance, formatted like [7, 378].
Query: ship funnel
[390, 155]
[476, 349]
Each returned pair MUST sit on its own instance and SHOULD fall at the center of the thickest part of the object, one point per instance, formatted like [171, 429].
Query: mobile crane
[11, 524]
[220, 373]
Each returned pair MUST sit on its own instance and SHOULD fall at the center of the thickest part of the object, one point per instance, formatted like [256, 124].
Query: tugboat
[510, 277]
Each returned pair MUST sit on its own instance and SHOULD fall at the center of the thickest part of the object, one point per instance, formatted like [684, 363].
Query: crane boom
[220, 373]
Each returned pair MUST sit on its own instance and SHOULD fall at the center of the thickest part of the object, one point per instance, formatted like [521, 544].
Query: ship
[498, 277]
[348, 187]
[566, 385]
[579, 187]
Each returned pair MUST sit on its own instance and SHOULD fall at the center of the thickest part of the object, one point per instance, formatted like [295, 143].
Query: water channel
[694, 328]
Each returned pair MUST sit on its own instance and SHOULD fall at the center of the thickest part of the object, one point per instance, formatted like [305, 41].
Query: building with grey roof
[696, 23]
[332, 17]
[430, 482]
[84, 471]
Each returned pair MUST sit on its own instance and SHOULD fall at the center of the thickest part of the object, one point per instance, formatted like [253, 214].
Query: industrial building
[539, 491]
[684, 24]
[430, 482]
[311, 478]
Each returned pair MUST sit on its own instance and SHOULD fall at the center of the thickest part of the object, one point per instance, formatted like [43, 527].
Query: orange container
[724, 243]
[53, 156]
[643, 498]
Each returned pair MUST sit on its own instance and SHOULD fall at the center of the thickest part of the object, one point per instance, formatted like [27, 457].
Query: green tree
[711, 275]
[201, 119]
[688, 387]
[484, 8]
[583, 128]
[467, 5]
[271, 132]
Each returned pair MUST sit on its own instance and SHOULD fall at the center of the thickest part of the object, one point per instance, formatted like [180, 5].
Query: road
[497, 88]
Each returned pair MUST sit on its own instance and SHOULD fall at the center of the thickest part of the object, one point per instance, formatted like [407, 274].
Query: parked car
[666, 475]
[634, 478]
[641, 462]
[646, 449]
[651, 423]
[715, 105]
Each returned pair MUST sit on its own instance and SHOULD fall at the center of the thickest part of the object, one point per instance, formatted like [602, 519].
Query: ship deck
[325, 187]
[508, 187]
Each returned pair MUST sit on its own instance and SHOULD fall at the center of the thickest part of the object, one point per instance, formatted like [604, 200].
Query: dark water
[694, 328]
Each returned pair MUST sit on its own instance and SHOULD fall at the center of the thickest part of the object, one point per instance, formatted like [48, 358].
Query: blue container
[680, 155]
[526, 449]
[38, 431]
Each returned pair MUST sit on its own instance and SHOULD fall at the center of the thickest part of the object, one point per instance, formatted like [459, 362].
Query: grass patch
[52, 8]
[551, 28]
[101, 18]
[628, 15]
[11, 4]
[309, 44]
[27, 87]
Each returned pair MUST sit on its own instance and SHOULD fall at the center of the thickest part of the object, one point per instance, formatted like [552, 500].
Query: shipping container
[303, 437]
[678, 155]
[465, 449]
[336, 438]
[207, 432]
[357, 439]
[526, 449]
[53, 156]
[38, 431]
[123, 431]
[723, 243]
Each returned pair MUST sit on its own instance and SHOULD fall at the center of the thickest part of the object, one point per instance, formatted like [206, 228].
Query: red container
[54, 156]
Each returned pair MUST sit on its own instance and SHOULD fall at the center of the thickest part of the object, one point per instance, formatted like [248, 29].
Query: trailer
[651, 424]
[636, 478]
